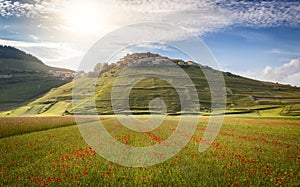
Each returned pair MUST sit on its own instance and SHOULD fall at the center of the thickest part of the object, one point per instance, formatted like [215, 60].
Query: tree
[101, 67]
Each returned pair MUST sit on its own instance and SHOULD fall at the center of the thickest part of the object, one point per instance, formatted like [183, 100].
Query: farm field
[243, 95]
[248, 151]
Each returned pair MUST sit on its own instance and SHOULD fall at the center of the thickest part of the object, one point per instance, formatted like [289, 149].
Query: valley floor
[249, 150]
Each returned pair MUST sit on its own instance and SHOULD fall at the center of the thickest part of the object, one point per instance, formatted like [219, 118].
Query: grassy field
[26, 77]
[21, 125]
[247, 152]
[243, 95]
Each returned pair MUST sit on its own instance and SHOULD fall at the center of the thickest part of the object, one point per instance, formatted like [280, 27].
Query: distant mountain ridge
[24, 77]
[13, 60]
[14, 53]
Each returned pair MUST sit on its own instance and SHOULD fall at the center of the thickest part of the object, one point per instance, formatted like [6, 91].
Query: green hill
[243, 95]
[24, 77]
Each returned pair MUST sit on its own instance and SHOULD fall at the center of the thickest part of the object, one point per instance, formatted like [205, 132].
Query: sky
[256, 39]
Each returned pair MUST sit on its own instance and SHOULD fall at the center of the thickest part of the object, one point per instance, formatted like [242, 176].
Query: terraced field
[243, 95]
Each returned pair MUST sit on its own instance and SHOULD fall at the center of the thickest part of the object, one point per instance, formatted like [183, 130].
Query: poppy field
[246, 152]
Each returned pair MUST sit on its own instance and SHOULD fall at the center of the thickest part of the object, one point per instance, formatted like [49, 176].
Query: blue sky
[257, 39]
[244, 48]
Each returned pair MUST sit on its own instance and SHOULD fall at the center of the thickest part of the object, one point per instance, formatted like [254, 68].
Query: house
[62, 74]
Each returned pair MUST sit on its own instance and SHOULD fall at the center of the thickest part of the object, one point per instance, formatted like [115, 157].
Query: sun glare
[84, 17]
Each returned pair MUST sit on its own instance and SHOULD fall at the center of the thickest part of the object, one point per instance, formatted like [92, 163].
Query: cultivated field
[21, 125]
[247, 151]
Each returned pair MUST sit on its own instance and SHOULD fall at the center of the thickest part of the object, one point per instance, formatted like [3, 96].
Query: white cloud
[293, 79]
[49, 52]
[267, 70]
[33, 37]
[153, 46]
[283, 52]
[287, 73]
[29, 44]
[264, 13]
[197, 16]
[217, 14]
[28, 9]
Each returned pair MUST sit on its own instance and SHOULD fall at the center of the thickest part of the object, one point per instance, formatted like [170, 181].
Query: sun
[84, 17]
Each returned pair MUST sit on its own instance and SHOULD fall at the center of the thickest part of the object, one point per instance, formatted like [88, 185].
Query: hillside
[243, 95]
[24, 77]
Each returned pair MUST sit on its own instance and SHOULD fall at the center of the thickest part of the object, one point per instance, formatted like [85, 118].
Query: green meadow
[244, 96]
[248, 151]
